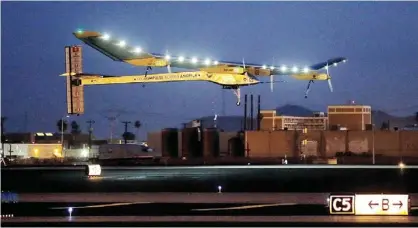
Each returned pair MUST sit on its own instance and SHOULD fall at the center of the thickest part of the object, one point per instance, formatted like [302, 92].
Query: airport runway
[210, 220]
[280, 178]
[172, 197]
[166, 209]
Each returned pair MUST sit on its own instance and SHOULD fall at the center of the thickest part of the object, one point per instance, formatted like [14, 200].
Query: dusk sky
[380, 40]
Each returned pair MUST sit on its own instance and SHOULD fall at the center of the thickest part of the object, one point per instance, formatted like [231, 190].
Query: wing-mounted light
[167, 58]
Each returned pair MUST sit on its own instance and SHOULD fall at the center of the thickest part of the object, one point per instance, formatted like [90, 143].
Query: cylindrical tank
[210, 142]
[191, 143]
[169, 147]
[236, 147]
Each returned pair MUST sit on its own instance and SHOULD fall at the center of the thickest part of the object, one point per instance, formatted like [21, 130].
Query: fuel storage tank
[191, 142]
[169, 147]
[210, 142]
[236, 147]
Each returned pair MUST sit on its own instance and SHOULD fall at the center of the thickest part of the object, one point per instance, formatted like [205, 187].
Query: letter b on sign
[385, 204]
[341, 204]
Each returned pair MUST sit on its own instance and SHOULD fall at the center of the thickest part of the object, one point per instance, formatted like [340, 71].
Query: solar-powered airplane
[230, 75]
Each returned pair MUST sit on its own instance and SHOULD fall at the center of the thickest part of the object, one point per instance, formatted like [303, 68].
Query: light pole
[373, 154]
[62, 133]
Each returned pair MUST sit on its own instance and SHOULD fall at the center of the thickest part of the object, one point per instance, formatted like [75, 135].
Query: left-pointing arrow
[371, 204]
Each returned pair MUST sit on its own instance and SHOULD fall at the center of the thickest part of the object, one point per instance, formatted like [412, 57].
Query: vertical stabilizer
[75, 93]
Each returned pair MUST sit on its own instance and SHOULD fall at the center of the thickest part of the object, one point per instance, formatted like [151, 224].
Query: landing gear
[308, 88]
[146, 73]
[237, 93]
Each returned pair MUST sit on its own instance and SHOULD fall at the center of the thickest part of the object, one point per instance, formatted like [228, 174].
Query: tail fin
[75, 93]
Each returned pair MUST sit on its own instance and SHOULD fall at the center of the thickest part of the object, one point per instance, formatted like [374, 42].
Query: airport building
[271, 122]
[41, 151]
[350, 117]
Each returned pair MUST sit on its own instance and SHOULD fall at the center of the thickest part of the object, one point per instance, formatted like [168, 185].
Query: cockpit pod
[93, 170]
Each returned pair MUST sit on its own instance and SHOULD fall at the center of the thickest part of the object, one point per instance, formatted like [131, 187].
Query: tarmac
[312, 220]
[173, 197]
[248, 178]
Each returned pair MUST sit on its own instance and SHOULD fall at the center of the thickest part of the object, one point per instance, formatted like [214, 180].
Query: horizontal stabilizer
[329, 62]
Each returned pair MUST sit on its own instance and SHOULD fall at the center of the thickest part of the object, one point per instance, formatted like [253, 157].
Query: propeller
[167, 57]
[243, 65]
[329, 79]
[271, 78]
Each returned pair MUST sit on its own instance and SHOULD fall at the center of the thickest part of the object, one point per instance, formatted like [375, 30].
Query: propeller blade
[329, 79]
[167, 54]
[271, 77]
[330, 84]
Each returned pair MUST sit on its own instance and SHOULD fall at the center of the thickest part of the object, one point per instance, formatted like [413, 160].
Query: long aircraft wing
[118, 50]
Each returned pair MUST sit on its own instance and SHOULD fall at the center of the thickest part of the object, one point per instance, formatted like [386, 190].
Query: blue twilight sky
[380, 39]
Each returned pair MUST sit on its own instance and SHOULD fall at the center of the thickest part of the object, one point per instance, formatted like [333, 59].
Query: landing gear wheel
[238, 103]
[306, 96]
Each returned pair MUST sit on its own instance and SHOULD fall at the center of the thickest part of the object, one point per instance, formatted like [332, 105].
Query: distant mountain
[235, 123]
[379, 117]
[293, 110]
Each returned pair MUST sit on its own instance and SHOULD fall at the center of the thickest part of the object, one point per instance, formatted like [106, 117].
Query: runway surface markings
[245, 207]
[100, 205]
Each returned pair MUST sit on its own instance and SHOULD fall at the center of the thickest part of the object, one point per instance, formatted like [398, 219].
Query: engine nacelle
[311, 76]
[223, 70]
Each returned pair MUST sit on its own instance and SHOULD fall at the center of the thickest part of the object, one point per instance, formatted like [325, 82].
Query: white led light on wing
[295, 69]
[194, 60]
[106, 36]
[215, 62]
[207, 61]
[181, 59]
[122, 43]
[167, 57]
[138, 50]
[272, 68]
[283, 68]
[264, 66]
[306, 70]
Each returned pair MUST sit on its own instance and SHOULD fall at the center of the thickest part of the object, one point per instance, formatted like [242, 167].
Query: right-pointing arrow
[371, 204]
[398, 204]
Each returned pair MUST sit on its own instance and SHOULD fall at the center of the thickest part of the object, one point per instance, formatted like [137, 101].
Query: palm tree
[75, 130]
[137, 125]
[61, 124]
